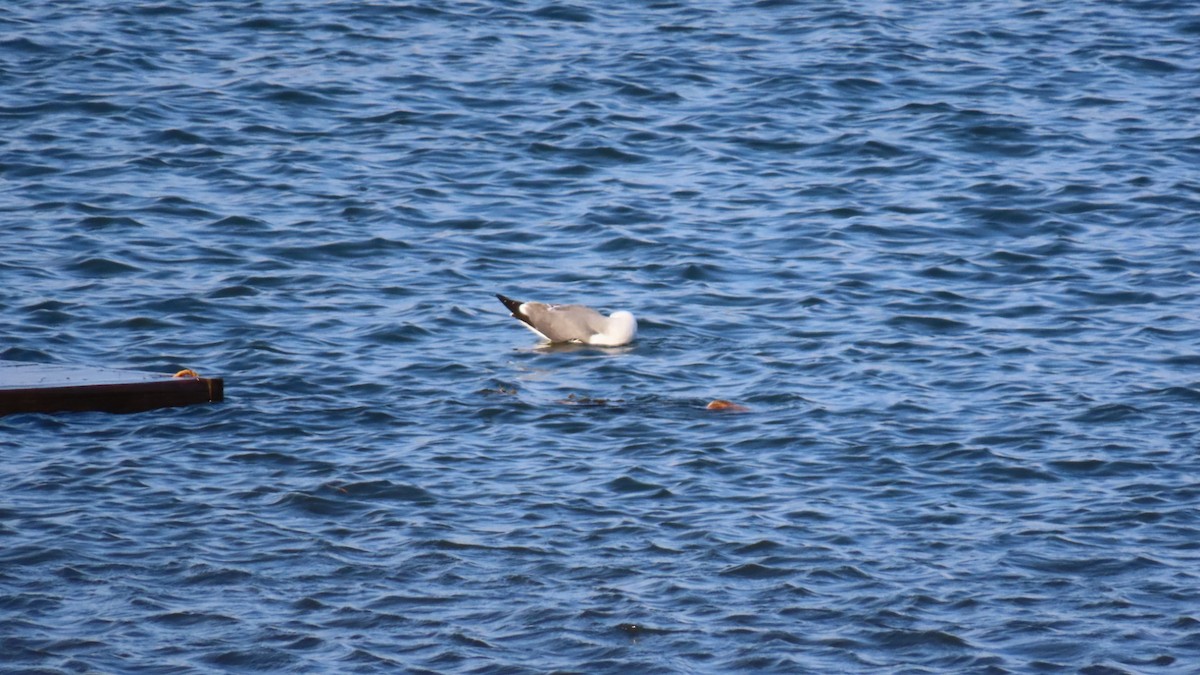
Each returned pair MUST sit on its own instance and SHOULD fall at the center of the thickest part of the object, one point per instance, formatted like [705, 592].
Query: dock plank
[44, 387]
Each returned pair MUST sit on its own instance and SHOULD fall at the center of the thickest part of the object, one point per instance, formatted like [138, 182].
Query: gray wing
[561, 323]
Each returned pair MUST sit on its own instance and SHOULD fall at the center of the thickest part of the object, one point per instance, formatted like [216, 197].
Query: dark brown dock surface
[45, 387]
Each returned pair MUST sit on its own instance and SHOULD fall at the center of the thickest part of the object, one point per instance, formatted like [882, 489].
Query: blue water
[946, 253]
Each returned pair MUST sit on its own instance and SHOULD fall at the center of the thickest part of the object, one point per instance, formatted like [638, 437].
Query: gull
[573, 323]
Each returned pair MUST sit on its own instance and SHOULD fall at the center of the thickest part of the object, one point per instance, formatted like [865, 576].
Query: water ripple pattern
[945, 253]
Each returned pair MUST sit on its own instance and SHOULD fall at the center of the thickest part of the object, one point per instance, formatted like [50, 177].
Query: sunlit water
[947, 255]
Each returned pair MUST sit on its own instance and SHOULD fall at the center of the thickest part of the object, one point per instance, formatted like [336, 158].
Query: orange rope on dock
[186, 372]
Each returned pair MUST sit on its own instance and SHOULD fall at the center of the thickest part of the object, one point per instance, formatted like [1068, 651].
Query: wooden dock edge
[128, 397]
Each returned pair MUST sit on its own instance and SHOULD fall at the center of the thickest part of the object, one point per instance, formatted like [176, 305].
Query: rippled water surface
[947, 254]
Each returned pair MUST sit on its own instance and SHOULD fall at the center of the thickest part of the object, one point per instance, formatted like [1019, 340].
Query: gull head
[621, 329]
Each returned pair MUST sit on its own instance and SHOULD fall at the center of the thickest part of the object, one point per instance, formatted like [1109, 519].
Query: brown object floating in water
[727, 406]
[46, 387]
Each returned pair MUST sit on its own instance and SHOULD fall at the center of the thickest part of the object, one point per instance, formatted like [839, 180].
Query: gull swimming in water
[573, 323]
